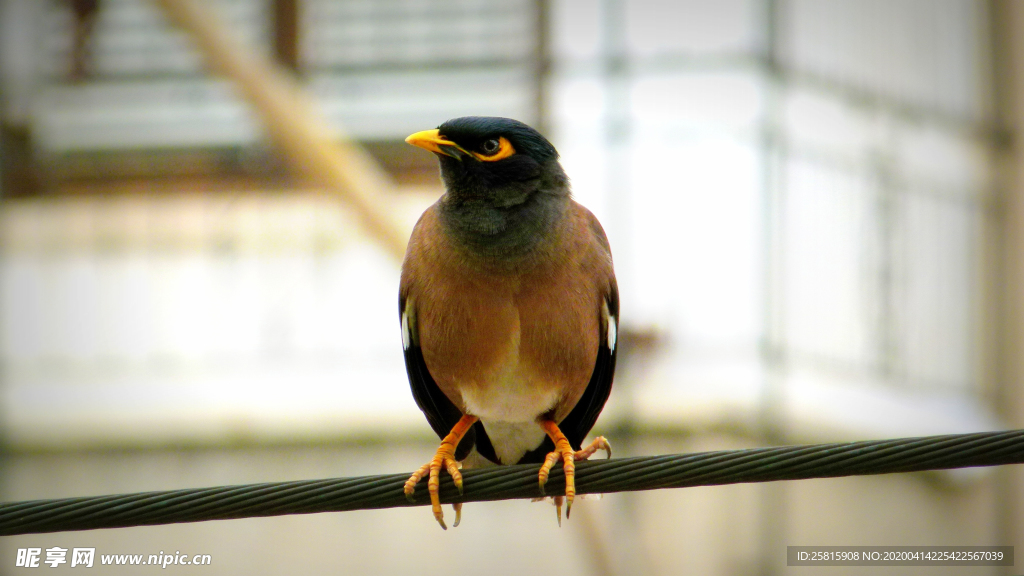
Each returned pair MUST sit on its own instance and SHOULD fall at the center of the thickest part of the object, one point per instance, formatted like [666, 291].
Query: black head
[498, 160]
[505, 188]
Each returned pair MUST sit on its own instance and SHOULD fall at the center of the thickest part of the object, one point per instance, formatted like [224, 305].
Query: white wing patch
[406, 335]
[612, 326]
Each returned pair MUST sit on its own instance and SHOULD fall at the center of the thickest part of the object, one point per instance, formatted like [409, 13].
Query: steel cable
[508, 482]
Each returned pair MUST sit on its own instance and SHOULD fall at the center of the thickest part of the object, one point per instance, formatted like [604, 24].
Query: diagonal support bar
[294, 123]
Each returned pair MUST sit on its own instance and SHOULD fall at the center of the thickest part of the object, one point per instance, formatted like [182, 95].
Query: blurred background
[815, 207]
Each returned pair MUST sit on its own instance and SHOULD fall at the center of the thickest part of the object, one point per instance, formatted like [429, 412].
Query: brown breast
[517, 341]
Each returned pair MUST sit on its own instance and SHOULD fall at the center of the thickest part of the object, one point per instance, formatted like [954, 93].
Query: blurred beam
[85, 12]
[774, 501]
[286, 32]
[294, 124]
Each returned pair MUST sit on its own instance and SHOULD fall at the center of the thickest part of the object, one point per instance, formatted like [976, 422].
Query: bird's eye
[490, 146]
[494, 149]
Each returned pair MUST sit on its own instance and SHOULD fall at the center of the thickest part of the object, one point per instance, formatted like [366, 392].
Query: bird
[509, 308]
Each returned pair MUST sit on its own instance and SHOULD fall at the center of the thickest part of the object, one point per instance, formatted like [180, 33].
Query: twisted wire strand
[508, 482]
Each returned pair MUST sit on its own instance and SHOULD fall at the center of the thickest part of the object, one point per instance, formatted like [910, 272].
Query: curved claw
[444, 458]
[453, 470]
[458, 514]
[563, 450]
[599, 443]
[410, 484]
[545, 469]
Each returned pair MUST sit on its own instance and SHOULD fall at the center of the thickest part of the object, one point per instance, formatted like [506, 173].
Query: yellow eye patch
[504, 150]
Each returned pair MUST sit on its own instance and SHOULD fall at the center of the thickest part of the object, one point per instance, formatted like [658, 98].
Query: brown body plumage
[510, 342]
[508, 305]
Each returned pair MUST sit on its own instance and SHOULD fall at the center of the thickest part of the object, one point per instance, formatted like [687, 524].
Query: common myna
[509, 307]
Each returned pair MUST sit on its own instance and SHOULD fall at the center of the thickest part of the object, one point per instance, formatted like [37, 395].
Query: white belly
[513, 440]
[509, 412]
[508, 405]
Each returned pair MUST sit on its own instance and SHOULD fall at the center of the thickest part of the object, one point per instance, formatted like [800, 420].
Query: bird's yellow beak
[433, 141]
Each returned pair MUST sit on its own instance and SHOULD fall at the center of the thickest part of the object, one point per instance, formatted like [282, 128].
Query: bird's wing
[583, 416]
[581, 419]
[441, 413]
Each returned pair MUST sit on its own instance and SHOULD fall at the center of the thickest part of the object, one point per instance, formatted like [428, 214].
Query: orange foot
[445, 458]
[569, 457]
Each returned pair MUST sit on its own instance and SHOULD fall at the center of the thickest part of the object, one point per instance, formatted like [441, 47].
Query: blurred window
[796, 193]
